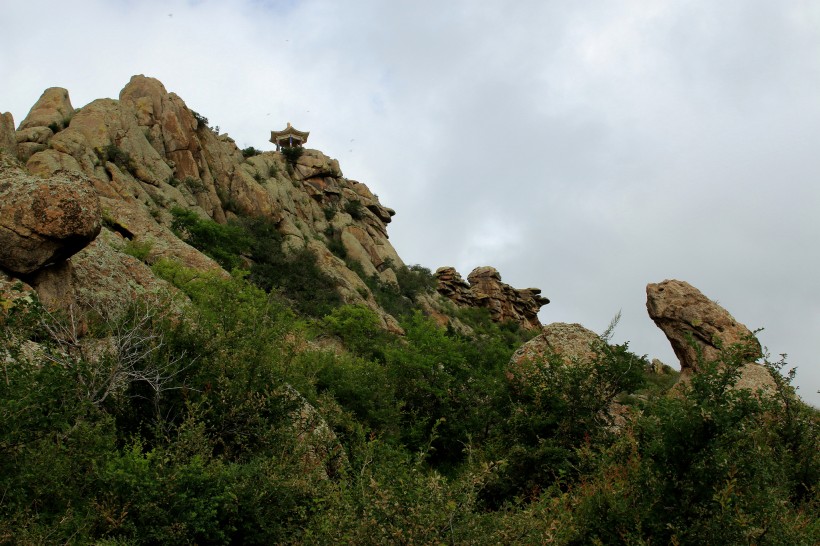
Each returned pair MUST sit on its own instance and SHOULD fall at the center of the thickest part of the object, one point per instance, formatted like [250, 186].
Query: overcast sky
[583, 147]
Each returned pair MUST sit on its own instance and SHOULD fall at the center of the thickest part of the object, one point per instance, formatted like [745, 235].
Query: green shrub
[387, 295]
[360, 329]
[296, 275]
[414, 280]
[200, 438]
[329, 212]
[195, 185]
[711, 464]
[556, 407]
[201, 121]
[355, 209]
[250, 151]
[138, 249]
[338, 249]
[257, 242]
[119, 157]
[334, 243]
[292, 154]
[223, 242]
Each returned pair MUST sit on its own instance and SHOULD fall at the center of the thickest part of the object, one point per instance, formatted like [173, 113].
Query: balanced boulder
[699, 330]
[695, 324]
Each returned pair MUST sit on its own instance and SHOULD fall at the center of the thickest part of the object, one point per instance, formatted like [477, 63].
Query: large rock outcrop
[44, 221]
[485, 289]
[146, 152]
[695, 325]
[100, 279]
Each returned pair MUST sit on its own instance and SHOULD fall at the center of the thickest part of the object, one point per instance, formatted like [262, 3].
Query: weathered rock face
[323, 453]
[99, 278]
[572, 342]
[44, 221]
[693, 323]
[485, 289]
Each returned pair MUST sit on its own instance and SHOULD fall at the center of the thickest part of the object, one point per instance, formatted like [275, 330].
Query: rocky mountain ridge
[136, 158]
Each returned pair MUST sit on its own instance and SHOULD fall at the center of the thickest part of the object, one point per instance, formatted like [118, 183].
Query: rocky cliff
[127, 163]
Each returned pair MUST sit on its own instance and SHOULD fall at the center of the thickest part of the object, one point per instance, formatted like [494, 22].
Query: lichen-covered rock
[315, 164]
[50, 161]
[27, 149]
[323, 453]
[485, 289]
[41, 135]
[44, 221]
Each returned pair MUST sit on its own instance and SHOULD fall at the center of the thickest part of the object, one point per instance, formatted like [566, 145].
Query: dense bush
[355, 209]
[201, 121]
[400, 300]
[711, 465]
[296, 275]
[415, 280]
[250, 151]
[223, 242]
[256, 244]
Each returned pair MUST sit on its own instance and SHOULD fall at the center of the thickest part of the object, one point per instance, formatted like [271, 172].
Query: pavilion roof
[287, 132]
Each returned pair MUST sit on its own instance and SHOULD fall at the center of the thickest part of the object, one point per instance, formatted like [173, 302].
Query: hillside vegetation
[177, 422]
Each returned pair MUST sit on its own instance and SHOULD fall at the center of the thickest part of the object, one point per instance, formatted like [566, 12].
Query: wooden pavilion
[289, 137]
